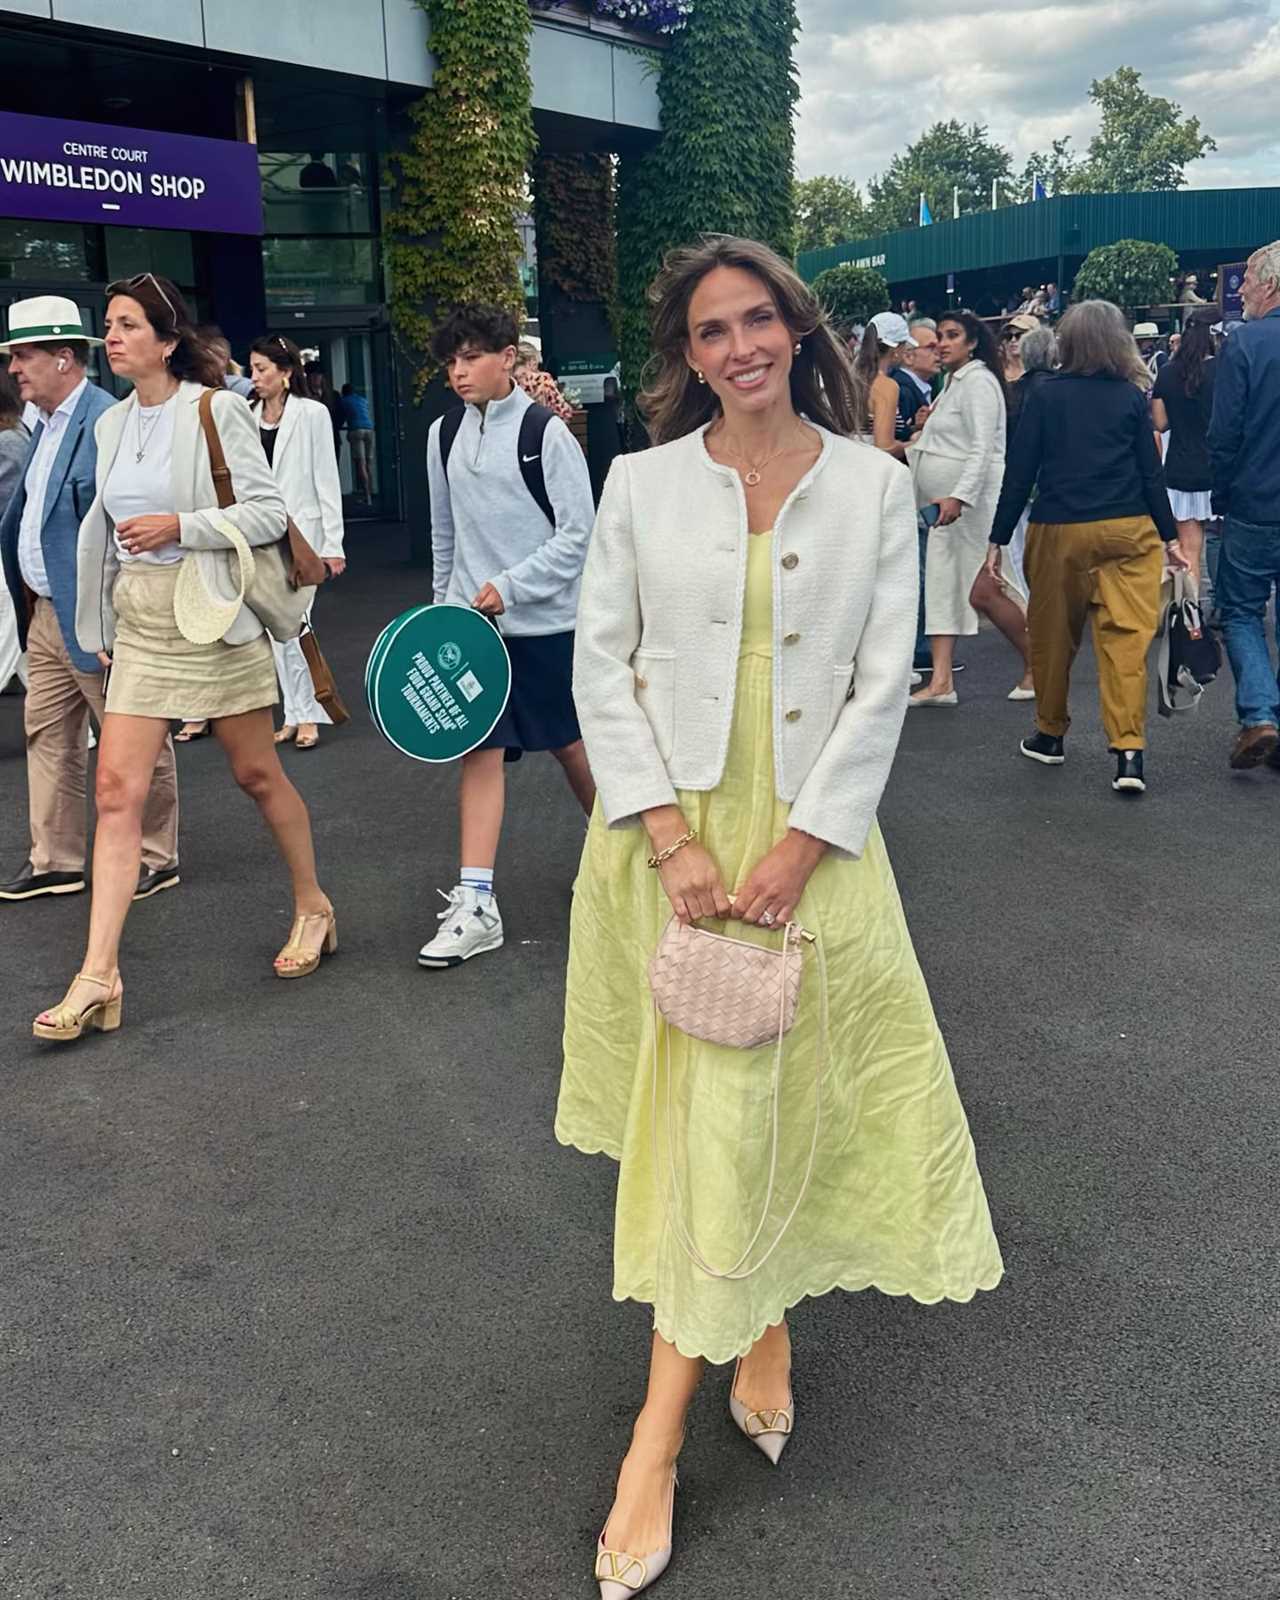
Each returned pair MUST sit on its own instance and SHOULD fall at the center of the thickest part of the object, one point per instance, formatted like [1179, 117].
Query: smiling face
[480, 376]
[739, 342]
[134, 349]
[269, 380]
[955, 347]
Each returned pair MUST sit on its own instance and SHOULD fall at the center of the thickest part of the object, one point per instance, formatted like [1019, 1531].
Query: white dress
[960, 455]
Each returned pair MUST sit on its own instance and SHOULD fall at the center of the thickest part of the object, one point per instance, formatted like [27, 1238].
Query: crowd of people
[720, 658]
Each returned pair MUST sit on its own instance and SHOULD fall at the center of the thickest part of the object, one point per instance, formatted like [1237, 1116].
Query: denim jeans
[923, 656]
[1248, 570]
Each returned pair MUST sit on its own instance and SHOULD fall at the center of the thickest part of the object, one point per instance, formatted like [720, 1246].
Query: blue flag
[1038, 191]
[926, 216]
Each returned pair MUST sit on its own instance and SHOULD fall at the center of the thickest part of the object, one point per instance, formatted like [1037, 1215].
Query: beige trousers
[59, 699]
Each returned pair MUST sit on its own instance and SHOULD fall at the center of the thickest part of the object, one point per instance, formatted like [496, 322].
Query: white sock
[478, 878]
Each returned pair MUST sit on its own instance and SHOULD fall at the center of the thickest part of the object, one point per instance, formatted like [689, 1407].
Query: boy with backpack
[511, 514]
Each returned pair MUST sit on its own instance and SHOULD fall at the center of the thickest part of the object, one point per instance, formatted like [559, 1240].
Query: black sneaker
[150, 883]
[1128, 778]
[30, 885]
[1046, 748]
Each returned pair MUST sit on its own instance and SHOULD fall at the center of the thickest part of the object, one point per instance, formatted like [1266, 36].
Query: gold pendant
[752, 478]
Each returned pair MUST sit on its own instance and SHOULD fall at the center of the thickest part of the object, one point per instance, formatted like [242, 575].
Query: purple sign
[86, 172]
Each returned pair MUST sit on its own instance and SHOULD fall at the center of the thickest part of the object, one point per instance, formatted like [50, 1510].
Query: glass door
[350, 370]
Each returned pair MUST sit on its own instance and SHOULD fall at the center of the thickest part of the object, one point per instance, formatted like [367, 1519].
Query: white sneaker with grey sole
[470, 925]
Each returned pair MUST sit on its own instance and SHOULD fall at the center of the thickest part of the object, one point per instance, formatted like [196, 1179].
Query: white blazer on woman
[306, 469]
[660, 624]
[258, 510]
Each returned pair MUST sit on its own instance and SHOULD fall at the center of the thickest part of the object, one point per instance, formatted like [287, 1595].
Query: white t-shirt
[140, 488]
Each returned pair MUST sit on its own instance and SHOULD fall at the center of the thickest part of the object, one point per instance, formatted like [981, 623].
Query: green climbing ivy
[460, 183]
[725, 162]
[573, 208]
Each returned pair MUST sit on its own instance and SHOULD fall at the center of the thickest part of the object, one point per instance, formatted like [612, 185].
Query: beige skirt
[155, 672]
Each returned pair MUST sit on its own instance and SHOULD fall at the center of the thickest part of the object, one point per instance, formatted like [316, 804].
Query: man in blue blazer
[48, 349]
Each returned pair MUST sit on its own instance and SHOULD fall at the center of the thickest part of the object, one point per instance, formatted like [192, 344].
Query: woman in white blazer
[297, 436]
[744, 638]
[155, 510]
[957, 465]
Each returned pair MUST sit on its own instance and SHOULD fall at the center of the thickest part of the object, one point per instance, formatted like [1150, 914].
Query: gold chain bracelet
[665, 855]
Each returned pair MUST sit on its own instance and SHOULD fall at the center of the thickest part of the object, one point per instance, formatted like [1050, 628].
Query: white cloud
[875, 73]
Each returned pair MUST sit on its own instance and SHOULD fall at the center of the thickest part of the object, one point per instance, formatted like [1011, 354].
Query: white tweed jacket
[660, 624]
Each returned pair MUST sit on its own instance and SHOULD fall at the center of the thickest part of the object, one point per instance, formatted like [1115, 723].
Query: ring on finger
[767, 918]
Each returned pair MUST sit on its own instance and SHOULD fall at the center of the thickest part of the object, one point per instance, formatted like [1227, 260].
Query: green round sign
[437, 681]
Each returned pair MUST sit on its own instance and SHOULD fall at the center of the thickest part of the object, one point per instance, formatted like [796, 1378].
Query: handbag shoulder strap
[222, 485]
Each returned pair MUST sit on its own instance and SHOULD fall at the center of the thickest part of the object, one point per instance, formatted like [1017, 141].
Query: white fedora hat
[45, 317]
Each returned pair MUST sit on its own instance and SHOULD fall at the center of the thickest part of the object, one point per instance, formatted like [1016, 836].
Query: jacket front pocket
[655, 688]
[841, 688]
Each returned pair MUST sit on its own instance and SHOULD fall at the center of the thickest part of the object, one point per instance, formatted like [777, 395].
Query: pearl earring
[796, 351]
[701, 376]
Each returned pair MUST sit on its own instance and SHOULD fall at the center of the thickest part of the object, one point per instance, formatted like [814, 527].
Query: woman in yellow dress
[744, 643]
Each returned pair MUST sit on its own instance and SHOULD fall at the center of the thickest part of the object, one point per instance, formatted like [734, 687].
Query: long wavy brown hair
[824, 386]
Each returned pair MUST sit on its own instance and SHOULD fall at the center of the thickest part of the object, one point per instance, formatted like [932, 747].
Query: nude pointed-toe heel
[621, 1575]
[768, 1430]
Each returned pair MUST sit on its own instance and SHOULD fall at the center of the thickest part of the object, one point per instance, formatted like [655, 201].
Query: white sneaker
[916, 679]
[470, 927]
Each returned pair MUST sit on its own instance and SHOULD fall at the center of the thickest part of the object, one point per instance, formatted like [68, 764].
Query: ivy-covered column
[460, 180]
[574, 212]
[725, 161]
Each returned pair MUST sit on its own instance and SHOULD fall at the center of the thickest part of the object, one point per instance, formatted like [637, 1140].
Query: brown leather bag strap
[222, 485]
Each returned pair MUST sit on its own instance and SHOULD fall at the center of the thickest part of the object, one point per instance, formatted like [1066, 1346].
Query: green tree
[1057, 171]
[948, 156]
[851, 294]
[1144, 141]
[828, 211]
[1131, 273]
[725, 161]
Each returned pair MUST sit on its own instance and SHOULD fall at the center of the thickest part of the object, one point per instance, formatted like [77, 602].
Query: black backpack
[533, 425]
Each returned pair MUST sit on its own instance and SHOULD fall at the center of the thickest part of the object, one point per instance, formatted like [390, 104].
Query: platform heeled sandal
[298, 960]
[65, 1022]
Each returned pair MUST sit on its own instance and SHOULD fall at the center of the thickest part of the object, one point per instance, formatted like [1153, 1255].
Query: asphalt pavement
[300, 1299]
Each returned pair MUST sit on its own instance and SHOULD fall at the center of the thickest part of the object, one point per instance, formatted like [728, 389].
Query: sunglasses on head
[124, 285]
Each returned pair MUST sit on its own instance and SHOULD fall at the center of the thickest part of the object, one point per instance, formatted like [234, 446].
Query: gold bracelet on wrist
[665, 855]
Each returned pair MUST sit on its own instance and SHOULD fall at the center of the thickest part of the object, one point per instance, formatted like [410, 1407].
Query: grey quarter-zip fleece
[487, 528]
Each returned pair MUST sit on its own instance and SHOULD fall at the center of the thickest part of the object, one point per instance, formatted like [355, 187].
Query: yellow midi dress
[895, 1200]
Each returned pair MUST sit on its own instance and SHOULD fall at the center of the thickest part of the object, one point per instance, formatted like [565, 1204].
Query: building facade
[242, 149]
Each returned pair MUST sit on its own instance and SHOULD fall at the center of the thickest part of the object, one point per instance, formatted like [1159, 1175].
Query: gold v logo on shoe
[618, 1567]
[759, 1422]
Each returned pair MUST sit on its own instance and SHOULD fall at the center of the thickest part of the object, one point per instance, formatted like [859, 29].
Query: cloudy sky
[874, 73]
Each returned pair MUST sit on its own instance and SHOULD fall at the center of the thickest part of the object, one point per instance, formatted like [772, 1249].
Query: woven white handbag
[729, 992]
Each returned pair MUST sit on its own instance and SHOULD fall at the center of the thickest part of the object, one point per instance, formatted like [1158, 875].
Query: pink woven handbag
[729, 992]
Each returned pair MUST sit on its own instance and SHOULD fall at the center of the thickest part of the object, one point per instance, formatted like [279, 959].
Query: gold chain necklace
[752, 475]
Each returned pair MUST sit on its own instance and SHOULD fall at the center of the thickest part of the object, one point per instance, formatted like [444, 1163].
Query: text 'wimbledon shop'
[56, 171]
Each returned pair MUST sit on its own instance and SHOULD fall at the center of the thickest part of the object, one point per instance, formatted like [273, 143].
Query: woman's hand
[773, 888]
[949, 509]
[489, 602]
[991, 566]
[140, 534]
[1174, 558]
[694, 885]
[690, 877]
[104, 660]
[336, 565]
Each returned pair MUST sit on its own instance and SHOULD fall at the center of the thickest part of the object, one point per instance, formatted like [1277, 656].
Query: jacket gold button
[793, 716]
[791, 638]
[790, 560]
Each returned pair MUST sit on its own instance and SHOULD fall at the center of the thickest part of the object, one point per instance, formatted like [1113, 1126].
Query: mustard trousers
[1108, 572]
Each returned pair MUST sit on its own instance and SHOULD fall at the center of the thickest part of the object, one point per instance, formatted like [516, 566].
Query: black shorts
[540, 714]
